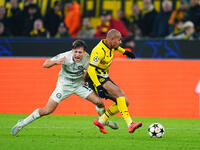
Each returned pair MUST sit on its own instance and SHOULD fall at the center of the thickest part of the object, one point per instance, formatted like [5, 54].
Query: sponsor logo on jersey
[101, 79]
[105, 62]
[80, 68]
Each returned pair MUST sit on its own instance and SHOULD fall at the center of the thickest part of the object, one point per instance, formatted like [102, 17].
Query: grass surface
[78, 133]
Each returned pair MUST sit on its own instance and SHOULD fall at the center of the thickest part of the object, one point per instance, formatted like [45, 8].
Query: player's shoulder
[86, 55]
[67, 54]
[99, 48]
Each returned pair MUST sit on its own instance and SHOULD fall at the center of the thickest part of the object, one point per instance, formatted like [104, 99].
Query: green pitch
[79, 133]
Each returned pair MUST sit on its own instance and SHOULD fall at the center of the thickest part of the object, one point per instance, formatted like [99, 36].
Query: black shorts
[102, 81]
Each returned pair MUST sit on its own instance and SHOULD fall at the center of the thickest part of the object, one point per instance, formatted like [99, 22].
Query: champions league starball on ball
[156, 130]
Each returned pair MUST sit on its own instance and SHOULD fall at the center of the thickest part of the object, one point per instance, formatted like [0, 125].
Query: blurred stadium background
[161, 82]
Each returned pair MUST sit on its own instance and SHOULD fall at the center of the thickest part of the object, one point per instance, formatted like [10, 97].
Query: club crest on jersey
[96, 58]
[59, 95]
[80, 68]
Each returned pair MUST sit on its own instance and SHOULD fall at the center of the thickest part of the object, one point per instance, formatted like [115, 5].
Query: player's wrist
[57, 62]
[129, 54]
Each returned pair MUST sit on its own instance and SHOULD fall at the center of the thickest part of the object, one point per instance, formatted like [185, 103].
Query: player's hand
[129, 54]
[61, 60]
[101, 91]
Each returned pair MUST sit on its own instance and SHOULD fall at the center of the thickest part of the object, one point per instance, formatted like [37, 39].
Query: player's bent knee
[49, 111]
[46, 111]
[100, 104]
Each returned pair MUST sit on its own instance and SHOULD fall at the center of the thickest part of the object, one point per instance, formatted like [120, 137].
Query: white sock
[100, 111]
[35, 115]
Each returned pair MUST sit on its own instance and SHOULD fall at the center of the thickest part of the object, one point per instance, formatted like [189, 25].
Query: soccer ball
[156, 130]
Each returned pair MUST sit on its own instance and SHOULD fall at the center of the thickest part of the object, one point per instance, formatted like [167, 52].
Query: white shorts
[63, 91]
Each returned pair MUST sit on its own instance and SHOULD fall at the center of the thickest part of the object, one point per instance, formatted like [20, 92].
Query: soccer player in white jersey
[70, 81]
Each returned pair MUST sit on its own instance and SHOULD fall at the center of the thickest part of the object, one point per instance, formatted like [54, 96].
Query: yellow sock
[121, 103]
[109, 113]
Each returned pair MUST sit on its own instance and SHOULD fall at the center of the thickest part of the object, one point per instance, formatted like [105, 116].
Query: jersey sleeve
[58, 56]
[95, 59]
[121, 50]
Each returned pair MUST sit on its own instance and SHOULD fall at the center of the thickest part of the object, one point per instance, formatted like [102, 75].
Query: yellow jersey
[100, 61]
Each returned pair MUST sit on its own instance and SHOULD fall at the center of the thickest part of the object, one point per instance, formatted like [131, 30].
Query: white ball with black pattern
[156, 130]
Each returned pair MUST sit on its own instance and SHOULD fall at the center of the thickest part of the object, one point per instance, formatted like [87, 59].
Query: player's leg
[111, 124]
[101, 110]
[49, 108]
[57, 96]
[85, 92]
[122, 105]
[92, 97]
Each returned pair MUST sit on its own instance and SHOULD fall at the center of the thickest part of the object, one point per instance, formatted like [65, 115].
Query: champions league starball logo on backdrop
[5, 48]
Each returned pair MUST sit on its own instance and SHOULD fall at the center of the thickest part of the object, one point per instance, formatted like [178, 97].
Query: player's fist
[101, 91]
[61, 60]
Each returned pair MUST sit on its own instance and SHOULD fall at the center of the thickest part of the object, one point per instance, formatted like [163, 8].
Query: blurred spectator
[73, 17]
[13, 9]
[32, 15]
[27, 4]
[178, 32]
[14, 18]
[3, 18]
[178, 15]
[86, 31]
[190, 31]
[161, 27]
[193, 14]
[3, 32]
[136, 18]
[135, 32]
[53, 18]
[62, 31]
[128, 44]
[107, 23]
[149, 15]
[121, 17]
[38, 29]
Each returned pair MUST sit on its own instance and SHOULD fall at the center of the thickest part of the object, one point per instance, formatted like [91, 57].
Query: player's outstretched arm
[49, 63]
[126, 52]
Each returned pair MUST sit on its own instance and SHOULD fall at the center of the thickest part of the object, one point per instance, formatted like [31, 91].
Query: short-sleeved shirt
[70, 69]
[70, 80]
[101, 58]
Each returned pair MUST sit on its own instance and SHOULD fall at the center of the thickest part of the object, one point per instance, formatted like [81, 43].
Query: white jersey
[70, 80]
[71, 69]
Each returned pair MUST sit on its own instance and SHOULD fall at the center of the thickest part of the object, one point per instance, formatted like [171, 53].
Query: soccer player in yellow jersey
[100, 61]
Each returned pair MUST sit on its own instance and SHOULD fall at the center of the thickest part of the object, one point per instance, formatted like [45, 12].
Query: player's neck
[106, 42]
